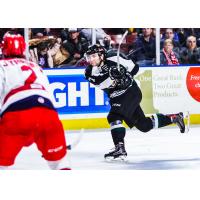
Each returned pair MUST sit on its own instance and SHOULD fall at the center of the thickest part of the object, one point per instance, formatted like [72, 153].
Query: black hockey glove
[104, 68]
[88, 72]
[124, 83]
[114, 73]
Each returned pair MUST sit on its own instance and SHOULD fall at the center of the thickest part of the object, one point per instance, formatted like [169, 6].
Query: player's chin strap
[76, 142]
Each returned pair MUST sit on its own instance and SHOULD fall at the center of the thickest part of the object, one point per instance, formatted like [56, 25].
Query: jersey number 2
[31, 79]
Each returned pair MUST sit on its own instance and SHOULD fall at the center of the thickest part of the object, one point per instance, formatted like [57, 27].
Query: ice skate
[118, 153]
[178, 119]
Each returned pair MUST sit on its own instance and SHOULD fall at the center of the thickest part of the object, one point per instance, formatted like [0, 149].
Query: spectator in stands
[64, 34]
[169, 34]
[40, 55]
[47, 32]
[78, 44]
[153, 32]
[37, 32]
[61, 55]
[53, 51]
[101, 36]
[184, 33]
[190, 54]
[167, 55]
[144, 49]
[40, 32]
[43, 55]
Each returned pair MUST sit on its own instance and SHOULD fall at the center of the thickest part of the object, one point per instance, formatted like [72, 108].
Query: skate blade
[119, 159]
[186, 116]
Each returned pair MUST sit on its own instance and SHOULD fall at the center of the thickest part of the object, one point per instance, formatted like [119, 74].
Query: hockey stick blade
[76, 142]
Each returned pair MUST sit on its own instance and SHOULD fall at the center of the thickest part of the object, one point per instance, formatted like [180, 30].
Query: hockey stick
[133, 52]
[118, 50]
[76, 142]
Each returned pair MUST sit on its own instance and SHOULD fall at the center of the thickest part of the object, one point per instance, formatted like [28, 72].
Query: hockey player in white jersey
[27, 112]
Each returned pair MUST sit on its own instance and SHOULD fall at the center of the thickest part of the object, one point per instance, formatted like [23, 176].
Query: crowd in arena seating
[61, 47]
[65, 48]
[177, 46]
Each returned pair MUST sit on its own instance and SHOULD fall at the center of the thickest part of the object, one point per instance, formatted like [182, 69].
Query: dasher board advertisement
[167, 89]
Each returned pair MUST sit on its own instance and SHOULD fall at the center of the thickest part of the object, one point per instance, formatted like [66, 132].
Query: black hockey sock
[160, 120]
[118, 135]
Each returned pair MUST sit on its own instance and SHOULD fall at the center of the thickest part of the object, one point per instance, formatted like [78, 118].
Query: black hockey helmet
[96, 48]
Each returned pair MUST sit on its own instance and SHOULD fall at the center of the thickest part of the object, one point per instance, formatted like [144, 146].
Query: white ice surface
[160, 149]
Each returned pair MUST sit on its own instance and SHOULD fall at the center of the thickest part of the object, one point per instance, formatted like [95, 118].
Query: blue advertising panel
[74, 94]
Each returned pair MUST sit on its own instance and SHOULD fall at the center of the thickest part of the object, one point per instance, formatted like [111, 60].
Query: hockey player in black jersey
[125, 96]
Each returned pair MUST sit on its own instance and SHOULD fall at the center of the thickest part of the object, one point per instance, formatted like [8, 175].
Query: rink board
[76, 124]
[165, 90]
